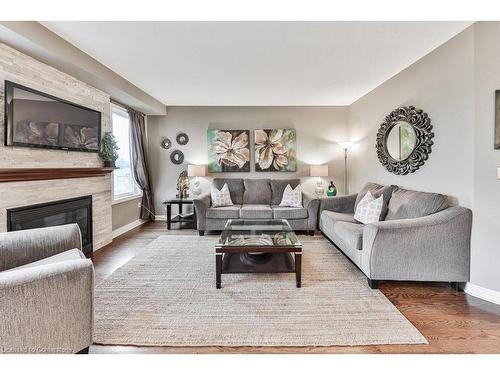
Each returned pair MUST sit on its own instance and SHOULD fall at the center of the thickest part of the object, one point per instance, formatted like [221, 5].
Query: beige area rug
[166, 296]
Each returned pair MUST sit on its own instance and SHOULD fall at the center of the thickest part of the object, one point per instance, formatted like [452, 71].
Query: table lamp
[196, 171]
[319, 171]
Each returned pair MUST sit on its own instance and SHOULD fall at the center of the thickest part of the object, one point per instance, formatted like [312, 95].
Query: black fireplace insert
[67, 211]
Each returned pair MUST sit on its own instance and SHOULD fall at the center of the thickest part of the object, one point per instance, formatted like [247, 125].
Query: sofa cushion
[369, 209]
[235, 186]
[61, 257]
[331, 216]
[278, 187]
[228, 212]
[292, 197]
[409, 204]
[257, 191]
[256, 211]
[220, 198]
[289, 212]
[350, 233]
[376, 190]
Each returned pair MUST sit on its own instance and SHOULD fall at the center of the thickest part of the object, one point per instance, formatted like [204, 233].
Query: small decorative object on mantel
[166, 143]
[332, 190]
[177, 157]
[404, 140]
[183, 185]
[109, 150]
[182, 139]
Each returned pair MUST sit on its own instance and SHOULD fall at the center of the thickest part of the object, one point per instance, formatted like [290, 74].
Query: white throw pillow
[292, 197]
[369, 209]
[222, 197]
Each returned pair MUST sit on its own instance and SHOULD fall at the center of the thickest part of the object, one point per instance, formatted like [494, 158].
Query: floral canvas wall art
[275, 150]
[228, 151]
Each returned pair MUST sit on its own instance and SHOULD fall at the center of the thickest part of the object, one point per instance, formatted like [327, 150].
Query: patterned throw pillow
[222, 197]
[292, 197]
[369, 209]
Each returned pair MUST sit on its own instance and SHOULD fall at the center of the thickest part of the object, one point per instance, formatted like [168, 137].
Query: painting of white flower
[275, 150]
[228, 151]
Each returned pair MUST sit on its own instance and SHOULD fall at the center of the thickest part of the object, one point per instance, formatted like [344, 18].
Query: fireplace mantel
[34, 174]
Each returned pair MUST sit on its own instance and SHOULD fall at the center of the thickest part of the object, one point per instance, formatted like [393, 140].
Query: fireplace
[75, 210]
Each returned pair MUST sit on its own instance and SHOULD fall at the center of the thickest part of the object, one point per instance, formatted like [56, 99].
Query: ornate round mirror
[404, 140]
[401, 141]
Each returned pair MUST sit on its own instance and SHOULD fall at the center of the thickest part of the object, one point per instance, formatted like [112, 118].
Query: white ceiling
[257, 63]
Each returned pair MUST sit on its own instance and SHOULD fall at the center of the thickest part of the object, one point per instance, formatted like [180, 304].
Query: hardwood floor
[452, 322]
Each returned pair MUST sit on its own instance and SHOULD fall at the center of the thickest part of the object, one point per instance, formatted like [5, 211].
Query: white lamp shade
[196, 170]
[319, 170]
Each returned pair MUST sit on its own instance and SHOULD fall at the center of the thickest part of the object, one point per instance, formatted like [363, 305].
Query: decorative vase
[332, 190]
[109, 163]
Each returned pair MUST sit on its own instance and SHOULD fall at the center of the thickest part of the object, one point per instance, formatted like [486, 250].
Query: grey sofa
[421, 238]
[256, 199]
[46, 291]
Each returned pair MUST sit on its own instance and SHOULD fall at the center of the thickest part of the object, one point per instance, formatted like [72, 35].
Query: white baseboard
[160, 217]
[119, 231]
[484, 293]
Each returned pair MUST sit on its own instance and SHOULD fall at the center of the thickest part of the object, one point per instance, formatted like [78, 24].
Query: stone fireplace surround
[18, 67]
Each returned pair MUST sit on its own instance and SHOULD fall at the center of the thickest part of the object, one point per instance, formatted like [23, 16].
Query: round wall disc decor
[177, 157]
[182, 139]
[166, 143]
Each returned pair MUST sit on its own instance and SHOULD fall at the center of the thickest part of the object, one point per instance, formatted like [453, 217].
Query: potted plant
[108, 151]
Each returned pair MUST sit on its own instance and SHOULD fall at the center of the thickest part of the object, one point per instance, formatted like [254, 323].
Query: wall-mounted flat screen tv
[36, 119]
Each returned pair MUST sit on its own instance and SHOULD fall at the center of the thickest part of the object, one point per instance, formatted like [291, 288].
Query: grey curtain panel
[140, 164]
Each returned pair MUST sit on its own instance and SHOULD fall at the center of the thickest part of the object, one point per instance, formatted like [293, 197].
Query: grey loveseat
[46, 291]
[421, 238]
[256, 199]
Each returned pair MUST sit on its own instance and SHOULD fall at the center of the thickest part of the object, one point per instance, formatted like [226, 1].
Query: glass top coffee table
[258, 246]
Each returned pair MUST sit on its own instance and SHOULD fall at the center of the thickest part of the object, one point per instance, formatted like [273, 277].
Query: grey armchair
[46, 291]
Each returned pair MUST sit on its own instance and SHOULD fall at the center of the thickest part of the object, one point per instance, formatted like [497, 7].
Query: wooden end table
[180, 217]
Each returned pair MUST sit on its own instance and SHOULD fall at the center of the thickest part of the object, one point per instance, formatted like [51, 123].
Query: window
[124, 185]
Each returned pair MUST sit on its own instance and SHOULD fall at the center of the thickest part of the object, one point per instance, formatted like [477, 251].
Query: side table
[180, 217]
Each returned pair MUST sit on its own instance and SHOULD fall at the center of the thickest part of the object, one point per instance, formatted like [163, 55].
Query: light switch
[498, 173]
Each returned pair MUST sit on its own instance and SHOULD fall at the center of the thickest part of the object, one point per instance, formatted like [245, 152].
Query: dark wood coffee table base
[280, 261]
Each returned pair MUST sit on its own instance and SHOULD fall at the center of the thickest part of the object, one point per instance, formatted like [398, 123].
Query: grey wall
[485, 262]
[442, 84]
[126, 212]
[318, 128]
[455, 85]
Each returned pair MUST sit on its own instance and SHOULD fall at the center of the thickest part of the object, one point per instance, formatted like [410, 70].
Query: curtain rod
[116, 102]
